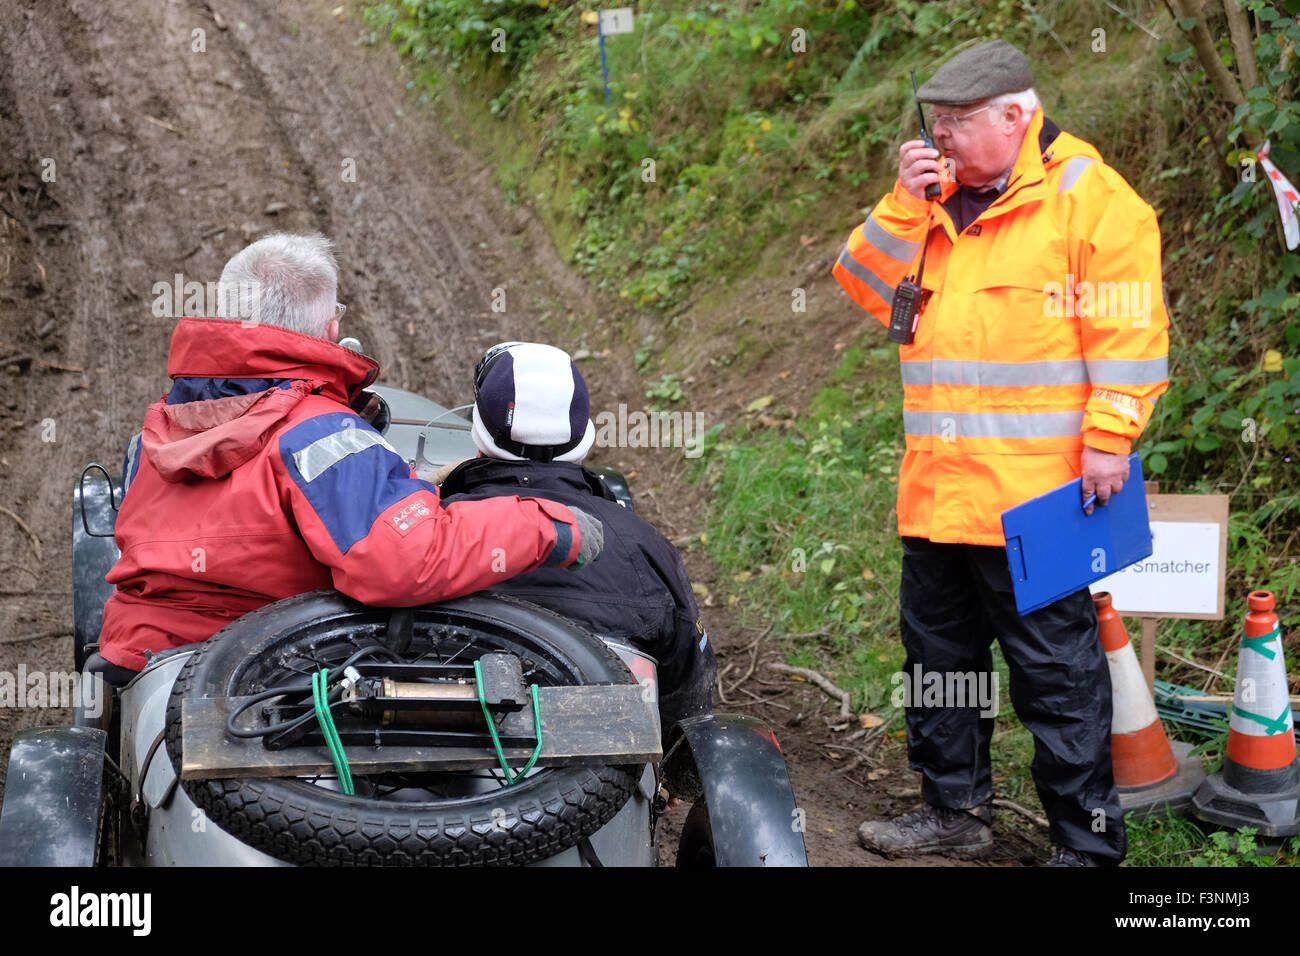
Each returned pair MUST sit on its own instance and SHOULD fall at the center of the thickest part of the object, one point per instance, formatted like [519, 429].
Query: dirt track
[165, 161]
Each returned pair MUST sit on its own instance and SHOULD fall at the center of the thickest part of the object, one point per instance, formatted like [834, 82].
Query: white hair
[1027, 100]
[285, 280]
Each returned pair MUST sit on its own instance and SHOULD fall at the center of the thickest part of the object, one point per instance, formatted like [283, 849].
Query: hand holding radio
[919, 169]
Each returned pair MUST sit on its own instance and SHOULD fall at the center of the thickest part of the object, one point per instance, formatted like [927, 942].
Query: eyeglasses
[339, 309]
[954, 119]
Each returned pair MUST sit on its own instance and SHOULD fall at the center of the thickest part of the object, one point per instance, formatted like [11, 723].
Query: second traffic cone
[1148, 772]
[1260, 783]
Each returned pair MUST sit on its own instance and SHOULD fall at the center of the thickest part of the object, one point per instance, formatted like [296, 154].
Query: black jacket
[637, 592]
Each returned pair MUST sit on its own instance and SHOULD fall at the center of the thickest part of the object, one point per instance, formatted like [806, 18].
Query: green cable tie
[320, 697]
[511, 777]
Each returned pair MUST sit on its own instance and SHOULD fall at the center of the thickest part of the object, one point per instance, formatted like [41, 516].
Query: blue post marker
[604, 66]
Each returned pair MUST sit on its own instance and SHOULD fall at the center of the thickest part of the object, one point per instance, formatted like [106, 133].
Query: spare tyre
[420, 819]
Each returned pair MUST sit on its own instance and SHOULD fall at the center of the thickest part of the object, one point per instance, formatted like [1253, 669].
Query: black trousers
[955, 600]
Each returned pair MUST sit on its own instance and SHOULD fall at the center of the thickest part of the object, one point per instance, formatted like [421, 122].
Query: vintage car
[316, 730]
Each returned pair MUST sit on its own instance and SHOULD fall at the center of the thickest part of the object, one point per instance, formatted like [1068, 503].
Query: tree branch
[1203, 44]
[1243, 44]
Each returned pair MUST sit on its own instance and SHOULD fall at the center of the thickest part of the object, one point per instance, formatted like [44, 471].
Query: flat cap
[989, 69]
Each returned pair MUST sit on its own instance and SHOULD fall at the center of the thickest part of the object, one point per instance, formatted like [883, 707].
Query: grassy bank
[736, 133]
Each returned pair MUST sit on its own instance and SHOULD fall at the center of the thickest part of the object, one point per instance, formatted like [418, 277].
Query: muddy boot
[959, 833]
[1065, 856]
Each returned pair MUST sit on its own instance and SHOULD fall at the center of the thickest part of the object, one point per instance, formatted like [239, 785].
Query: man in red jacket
[254, 479]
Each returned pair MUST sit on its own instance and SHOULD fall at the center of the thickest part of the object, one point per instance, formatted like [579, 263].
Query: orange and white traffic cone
[1149, 771]
[1260, 783]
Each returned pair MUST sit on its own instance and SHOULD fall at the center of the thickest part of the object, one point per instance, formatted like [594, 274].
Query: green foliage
[803, 527]
[1180, 841]
[1240, 849]
[733, 129]
[668, 388]
[726, 121]
[1230, 419]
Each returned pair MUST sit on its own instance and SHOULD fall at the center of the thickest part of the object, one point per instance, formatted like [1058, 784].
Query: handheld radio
[909, 300]
[933, 190]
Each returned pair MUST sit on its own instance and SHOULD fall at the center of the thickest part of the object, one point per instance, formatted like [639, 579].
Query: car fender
[53, 797]
[734, 762]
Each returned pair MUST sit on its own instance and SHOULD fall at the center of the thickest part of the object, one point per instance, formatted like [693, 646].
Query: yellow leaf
[625, 113]
[758, 404]
[868, 574]
[1272, 361]
[765, 125]
[743, 576]
[867, 721]
[699, 589]
[590, 17]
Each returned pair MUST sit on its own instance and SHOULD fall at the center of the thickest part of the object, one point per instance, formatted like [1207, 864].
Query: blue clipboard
[1054, 549]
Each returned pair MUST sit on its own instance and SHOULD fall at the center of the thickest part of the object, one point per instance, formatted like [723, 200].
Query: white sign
[1180, 577]
[618, 20]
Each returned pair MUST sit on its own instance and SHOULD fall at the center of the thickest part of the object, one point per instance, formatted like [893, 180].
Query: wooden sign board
[1184, 577]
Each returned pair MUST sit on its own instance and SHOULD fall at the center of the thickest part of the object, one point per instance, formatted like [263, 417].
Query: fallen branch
[753, 657]
[722, 694]
[1027, 814]
[17, 359]
[36, 542]
[1223, 698]
[762, 700]
[821, 681]
[164, 125]
[1191, 663]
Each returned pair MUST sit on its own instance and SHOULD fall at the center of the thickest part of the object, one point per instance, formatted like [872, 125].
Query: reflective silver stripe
[324, 453]
[1129, 371]
[900, 249]
[877, 284]
[132, 447]
[993, 424]
[1074, 168]
[1011, 374]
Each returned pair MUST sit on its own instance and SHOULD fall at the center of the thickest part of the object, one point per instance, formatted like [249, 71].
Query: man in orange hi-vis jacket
[1040, 349]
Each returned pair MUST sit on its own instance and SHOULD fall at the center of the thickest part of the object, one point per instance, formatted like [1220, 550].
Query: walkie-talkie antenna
[933, 190]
